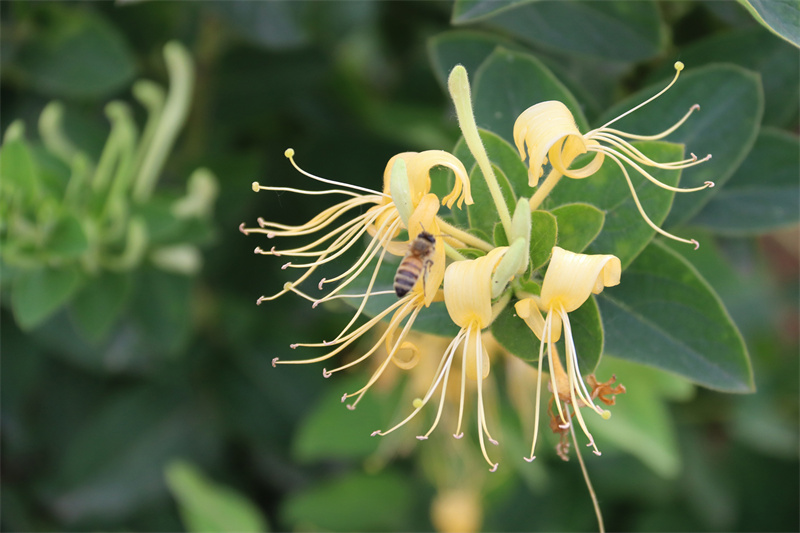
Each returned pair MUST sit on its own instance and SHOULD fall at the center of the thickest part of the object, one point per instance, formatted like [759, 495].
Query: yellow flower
[548, 131]
[468, 297]
[569, 281]
[405, 203]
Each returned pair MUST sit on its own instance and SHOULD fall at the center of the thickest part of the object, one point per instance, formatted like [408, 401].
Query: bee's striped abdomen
[407, 275]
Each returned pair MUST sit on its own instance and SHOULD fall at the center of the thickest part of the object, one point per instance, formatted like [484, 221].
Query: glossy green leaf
[462, 47]
[483, 213]
[68, 239]
[624, 233]
[77, 53]
[763, 194]
[618, 30]
[731, 105]
[664, 314]
[578, 225]
[781, 17]
[338, 504]
[20, 176]
[465, 11]
[37, 294]
[641, 422]
[755, 49]
[97, 306]
[587, 330]
[206, 506]
[508, 83]
[544, 234]
[501, 154]
[322, 434]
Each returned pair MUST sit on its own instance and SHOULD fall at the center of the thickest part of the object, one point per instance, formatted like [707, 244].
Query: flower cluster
[476, 279]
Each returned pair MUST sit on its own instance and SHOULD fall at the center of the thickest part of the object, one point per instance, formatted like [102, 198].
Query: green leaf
[641, 422]
[578, 225]
[781, 17]
[624, 233]
[462, 47]
[508, 83]
[68, 240]
[618, 30]
[162, 307]
[331, 431]
[516, 337]
[339, 505]
[37, 294]
[764, 193]
[76, 53]
[726, 125]
[483, 214]
[544, 233]
[501, 154]
[206, 506]
[98, 305]
[20, 175]
[664, 314]
[465, 11]
[757, 50]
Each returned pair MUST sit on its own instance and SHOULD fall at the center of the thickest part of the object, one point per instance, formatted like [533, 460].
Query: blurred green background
[161, 411]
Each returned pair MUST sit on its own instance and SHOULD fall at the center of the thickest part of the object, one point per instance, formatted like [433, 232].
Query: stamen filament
[655, 137]
[289, 153]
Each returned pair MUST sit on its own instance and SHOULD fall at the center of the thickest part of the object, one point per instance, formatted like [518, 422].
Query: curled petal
[424, 218]
[571, 278]
[468, 289]
[419, 165]
[528, 311]
[407, 355]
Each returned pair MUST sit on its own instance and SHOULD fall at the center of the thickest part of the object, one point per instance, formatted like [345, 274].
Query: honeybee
[416, 263]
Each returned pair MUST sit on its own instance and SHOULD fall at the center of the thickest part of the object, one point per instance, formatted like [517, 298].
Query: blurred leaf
[483, 214]
[38, 293]
[98, 305]
[578, 225]
[641, 423]
[465, 11]
[757, 50]
[354, 502]
[508, 83]
[665, 315]
[276, 25]
[206, 506]
[76, 53]
[764, 193]
[624, 232]
[162, 307]
[331, 431]
[19, 171]
[618, 30]
[544, 232]
[68, 240]
[781, 17]
[462, 47]
[726, 125]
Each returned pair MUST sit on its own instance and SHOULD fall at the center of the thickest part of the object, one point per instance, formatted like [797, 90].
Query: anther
[530, 459]
[243, 229]
[326, 343]
[422, 437]
[458, 435]
[315, 304]
[274, 362]
[564, 426]
[695, 107]
[271, 235]
[493, 441]
[293, 346]
[351, 406]
[494, 468]
[274, 252]
[694, 157]
[284, 267]
[321, 282]
[696, 244]
[256, 186]
[376, 432]
[258, 250]
[597, 453]
[261, 221]
[260, 299]
[709, 184]
[325, 373]
[344, 397]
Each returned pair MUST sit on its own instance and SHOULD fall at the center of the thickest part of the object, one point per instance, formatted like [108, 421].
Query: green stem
[458, 83]
[467, 238]
[452, 253]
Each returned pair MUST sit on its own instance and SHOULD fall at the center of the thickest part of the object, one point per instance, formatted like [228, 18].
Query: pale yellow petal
[528, 311]
[571, 278]
[424, 218]
[468, 289]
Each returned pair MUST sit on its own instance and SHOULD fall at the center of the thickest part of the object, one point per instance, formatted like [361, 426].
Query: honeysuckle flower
[569, 281]
[468, 298]
[547, 131]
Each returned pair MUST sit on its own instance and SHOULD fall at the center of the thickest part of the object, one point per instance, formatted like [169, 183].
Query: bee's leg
[426, 266]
